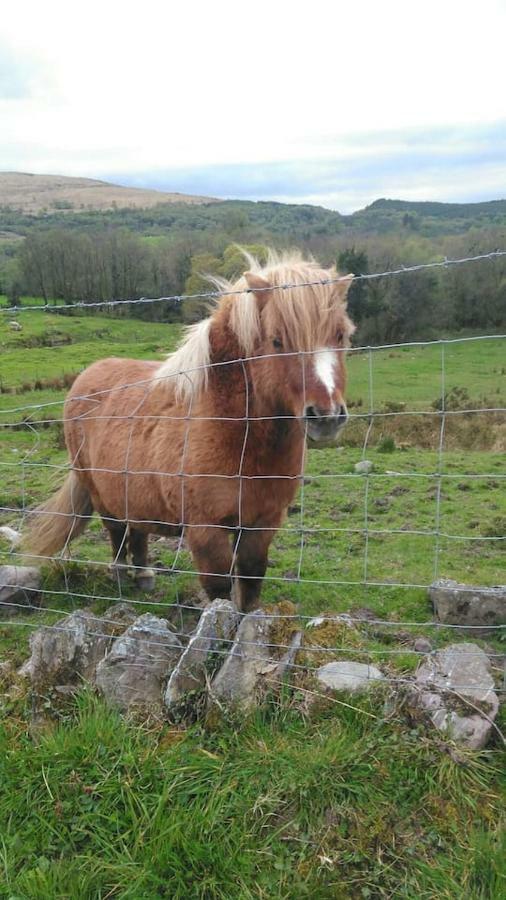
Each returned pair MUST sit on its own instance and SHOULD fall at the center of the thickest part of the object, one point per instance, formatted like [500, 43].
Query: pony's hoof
[145, 580]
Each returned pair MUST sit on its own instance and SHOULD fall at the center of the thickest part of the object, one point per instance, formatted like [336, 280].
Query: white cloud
[139, 88]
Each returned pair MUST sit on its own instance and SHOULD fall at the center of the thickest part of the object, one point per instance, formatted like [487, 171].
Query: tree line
[61, 265]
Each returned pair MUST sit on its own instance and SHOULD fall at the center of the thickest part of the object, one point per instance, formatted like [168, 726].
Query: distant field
[410, 375]
[352, 805]
[404, 379]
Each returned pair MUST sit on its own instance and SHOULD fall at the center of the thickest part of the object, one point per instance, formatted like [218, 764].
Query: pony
[209, 444]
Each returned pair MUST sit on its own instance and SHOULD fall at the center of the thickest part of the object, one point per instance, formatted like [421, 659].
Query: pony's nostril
[311, 412]
[342, 415]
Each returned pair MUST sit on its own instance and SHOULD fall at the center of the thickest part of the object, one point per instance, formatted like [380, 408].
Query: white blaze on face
[324, 364]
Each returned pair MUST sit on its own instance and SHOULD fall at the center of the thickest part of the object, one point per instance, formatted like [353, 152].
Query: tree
[356, 262]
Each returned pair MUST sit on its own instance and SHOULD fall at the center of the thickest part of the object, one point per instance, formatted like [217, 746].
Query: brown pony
[211, 442]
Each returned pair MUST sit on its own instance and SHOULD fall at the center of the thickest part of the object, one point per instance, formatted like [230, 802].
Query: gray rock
[364, 467]
[349, 676]
[119, 615]
[136, 668]
[241, 678]
[282, 670]
[317, 621]
[25, 671]
[344, 618]
[217, 623]
[422, 645]
[19, 588]
[11, 535]
[67, 652]
[461, 604]
[445, 681]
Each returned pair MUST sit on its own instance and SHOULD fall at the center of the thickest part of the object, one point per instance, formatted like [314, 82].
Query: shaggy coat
[210, 443]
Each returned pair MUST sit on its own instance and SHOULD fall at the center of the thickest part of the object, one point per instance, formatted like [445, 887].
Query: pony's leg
[144, 577]
[119, 544]
[251, 566]
[212, 556]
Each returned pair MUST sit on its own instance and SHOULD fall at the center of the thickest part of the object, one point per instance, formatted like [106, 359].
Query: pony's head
[293, 340]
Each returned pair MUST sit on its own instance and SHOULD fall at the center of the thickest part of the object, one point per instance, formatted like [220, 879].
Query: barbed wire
[213, 295]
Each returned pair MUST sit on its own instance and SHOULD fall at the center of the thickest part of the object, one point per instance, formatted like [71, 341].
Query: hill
[427, 217]
[34, 201]
[36, 194]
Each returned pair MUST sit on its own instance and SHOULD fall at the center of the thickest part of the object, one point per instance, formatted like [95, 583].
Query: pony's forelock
[308, 318]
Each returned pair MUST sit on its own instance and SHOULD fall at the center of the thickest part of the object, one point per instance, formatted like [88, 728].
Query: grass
[278, 808]
[273, 806]
[61, 344]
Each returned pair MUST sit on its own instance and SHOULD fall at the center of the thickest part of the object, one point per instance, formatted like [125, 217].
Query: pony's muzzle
[322, 426]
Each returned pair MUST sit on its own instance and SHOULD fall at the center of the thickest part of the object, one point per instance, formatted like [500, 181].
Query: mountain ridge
[28, 201]
[37, 193]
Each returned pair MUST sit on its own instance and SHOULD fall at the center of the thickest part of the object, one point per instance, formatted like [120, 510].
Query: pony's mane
[303, 318]
[186, 369]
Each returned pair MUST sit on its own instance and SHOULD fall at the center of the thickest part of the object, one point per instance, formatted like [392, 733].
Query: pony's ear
[259, 286]
[344, 285]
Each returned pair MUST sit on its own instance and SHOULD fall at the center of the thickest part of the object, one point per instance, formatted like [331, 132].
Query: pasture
[274, 807]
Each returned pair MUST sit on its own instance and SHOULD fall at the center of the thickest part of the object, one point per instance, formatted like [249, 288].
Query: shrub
[386, 444]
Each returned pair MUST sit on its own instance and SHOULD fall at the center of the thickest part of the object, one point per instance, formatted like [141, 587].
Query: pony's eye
[277, 343]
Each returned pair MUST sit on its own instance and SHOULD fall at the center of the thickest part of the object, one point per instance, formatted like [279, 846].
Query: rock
[444, 682]
[135, 670]
[217, 623]
[422, 645]
[19, 588]
[67, 652]
[349, 676]
[364, 467]
[120, 615]
[241, 679]
[282, 670]
[344, 618]
[11, 535]
[317, 621]
[461, 604]
[25, 671]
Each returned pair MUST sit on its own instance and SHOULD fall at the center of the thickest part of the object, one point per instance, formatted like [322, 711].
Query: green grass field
[342, 806]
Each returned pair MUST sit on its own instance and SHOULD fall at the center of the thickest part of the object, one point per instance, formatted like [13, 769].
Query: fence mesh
[334, 541]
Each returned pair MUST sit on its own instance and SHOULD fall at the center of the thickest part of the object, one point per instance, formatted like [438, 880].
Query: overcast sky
[334, 103]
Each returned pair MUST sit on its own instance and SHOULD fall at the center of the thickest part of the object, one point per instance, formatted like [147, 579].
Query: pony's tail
[55, 523]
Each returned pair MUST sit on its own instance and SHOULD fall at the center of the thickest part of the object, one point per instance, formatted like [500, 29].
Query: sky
[329, 103]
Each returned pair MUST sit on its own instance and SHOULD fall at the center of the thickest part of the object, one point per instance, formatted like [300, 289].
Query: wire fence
[134, 466]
